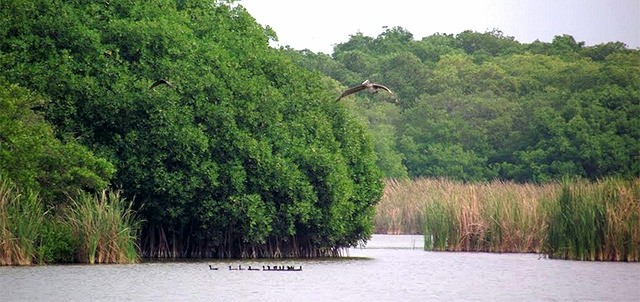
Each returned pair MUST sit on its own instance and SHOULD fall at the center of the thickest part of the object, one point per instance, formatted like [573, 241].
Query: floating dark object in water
[283, 269]
[266, 268]
[212, 268]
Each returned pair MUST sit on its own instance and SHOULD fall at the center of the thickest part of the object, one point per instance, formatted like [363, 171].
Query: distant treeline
[482, 106]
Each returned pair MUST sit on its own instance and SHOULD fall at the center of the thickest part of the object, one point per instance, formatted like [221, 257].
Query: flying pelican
[162, 81]
[371, 87]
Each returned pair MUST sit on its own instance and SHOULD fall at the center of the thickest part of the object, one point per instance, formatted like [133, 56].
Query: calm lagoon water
[388, 268]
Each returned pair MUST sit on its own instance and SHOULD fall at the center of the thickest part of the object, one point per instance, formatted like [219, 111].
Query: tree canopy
[33, 157]
[479, 106]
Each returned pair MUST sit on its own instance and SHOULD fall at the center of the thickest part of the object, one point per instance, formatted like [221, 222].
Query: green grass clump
[106, 228]
[438, 232]
[90, 229]
[596, 221]
[21, 217]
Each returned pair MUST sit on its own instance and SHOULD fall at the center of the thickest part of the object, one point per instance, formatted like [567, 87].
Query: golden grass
[401, 209]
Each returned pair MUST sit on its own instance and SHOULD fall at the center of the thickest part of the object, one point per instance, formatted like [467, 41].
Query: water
[389, 268]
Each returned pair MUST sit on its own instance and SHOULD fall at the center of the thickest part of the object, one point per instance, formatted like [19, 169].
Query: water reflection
[389, 268]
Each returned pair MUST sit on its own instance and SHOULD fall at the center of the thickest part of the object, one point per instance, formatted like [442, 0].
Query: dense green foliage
[479, 106]
[32, 156]
[247, 156]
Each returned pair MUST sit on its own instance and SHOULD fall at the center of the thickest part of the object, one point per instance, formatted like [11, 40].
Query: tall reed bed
[21, 217]
[575, 219]
[106, 228]
[596, 221]
[401, 209]
[489, 217]
[454, 216]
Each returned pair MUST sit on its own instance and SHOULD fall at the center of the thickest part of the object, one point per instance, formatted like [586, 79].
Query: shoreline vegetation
[569, 219]
[92, 229]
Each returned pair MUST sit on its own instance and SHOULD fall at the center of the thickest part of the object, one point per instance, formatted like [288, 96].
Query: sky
[319, 25]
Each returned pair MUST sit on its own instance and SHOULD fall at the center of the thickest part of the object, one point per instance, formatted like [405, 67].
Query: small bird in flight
[371, 87]
[161, 81]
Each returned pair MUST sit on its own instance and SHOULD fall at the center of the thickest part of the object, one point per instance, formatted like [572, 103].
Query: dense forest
[482, 106]
[250, 156]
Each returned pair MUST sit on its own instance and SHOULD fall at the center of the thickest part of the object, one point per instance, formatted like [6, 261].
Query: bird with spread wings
[162, 81]
[371, 87]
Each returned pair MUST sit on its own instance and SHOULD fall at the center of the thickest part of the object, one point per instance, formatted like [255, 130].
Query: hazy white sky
[318, 25]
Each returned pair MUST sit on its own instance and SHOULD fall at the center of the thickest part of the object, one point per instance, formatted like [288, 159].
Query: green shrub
[57, 242]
